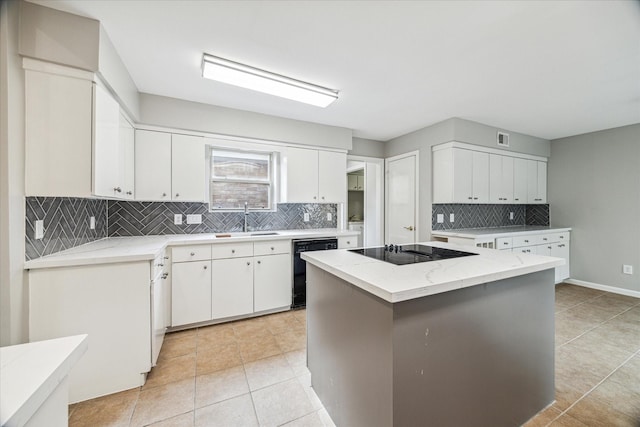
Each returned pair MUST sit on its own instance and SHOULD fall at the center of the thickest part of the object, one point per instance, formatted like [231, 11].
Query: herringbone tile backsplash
[66, 220]
[147, 218]
[484, 216]
[66, 223]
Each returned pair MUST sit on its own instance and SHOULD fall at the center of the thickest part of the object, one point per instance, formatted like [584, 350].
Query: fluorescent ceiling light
[237, 74]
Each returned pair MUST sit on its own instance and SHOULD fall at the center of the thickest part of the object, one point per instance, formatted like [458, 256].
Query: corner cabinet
[465, 173]
[76, 143]
[313, 176]
[169, 167]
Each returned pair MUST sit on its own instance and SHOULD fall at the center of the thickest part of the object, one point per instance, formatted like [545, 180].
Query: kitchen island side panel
[481, 356]
[349, 350]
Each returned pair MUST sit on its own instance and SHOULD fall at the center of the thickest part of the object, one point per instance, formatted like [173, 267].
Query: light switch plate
[39, 229]
[511, 215]
[627, 269]
[306, 217]
[440, 218]
[177, 219]
[451, 217]
[194, 219]
[92, 223]
[329, 216]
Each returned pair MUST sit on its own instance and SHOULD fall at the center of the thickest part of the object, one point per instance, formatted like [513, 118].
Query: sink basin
[266, 233]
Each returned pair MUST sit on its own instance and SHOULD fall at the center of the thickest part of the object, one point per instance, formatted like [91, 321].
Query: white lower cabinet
[190, 292]
[272, 282]
[231, 287]
[230, 280]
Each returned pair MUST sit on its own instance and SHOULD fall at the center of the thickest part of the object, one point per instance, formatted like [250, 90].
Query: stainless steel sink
[266, 233]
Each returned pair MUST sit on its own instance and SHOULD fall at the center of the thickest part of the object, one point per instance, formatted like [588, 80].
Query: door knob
[410, 228]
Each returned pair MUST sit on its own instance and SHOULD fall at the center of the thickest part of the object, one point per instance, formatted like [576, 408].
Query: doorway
[401, 189]
[365, 199]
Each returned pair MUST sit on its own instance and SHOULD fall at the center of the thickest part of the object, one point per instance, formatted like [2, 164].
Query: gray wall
[367, 148]
[13, 292]
[179, 114]
[594, 187]
[453, 129]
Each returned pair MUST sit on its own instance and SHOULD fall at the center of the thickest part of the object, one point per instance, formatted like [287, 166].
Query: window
[238, 177]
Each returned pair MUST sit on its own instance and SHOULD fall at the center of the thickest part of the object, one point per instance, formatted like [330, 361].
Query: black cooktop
[410, 254]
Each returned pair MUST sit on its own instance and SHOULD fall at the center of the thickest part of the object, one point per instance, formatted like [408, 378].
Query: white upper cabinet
[460, 176]
[501, 179]
[313, 176]
[58, 132]
[520, 180]
[463, 173]
[153, 165]
[127, 143]
[108, 150]
[188, 156]
[536, 182]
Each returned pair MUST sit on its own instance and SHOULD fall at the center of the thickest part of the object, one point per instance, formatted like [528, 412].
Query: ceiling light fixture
[237, 74]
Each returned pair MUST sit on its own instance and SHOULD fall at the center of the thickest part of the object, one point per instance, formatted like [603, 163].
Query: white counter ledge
[130, 249]
[395, 283]
[496, 232]
[30, 376]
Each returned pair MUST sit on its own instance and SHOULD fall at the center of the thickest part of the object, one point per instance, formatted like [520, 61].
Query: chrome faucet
[246, 216]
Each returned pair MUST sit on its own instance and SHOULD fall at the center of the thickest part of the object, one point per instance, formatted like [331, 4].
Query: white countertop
[130, 249]
[496, 232]
[395, 283]
[29, 373]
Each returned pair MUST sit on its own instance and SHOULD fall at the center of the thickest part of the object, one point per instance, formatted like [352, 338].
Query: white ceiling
[548, 69]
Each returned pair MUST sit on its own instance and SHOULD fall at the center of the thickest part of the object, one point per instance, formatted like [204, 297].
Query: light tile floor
[253, 373]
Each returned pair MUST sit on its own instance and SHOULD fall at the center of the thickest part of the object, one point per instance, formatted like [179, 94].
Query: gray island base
[477, 356]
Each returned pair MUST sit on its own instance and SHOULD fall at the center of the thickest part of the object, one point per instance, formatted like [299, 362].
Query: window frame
[271, 181]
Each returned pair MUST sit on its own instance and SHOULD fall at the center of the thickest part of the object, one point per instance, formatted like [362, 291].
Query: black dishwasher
[300, 267]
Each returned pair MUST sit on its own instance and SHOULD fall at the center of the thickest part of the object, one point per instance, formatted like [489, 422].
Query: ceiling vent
[503, 139]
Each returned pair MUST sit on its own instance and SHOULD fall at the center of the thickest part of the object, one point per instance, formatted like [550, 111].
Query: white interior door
[401, 208]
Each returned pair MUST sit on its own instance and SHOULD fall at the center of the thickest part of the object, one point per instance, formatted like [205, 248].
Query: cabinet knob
[129, 193]
[314, 197]
[233, 251]
[516, 200]
[544, 238]
[165, 275]
[470, 198]
[259, 262]
[348, 242]
[248, 263]
[505, 243]
[117, 189]
[475, 198]
[272, 248]
[205, 267]
[526, 241]
[160, 264]
[193, 253]
[548, 247]
[322, 197]
[177, 194]
[166, 257]
[164, 194]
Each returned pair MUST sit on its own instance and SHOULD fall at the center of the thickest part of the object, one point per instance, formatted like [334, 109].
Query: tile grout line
[595, 386]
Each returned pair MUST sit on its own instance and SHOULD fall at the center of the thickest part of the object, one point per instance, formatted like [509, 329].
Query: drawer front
[504, 243]
[526, 250]
[528, 240]
[231, 250]
[347, 242]
[272, 247]
[191, 253]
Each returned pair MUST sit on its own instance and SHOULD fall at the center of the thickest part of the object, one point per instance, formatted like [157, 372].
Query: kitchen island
[462, 341]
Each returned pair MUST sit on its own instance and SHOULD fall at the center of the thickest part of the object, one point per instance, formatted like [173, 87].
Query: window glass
[238, 177]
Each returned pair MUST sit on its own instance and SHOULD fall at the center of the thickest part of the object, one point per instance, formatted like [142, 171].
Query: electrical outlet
[194, 219]
[92, 223]
[440, 218]
[452, 218]
[627, 269]
[177, 219]
[511, 216]
[39, 229]
[306, 217]
[329, 216]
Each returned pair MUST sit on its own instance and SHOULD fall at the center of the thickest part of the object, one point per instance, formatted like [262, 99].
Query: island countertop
[396, 283]
[497, 232]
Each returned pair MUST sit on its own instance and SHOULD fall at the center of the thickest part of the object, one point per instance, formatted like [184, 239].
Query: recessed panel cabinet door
[153, 165]
[462, 176]
[332, 172]
[272, 282]
[480, 182]
[520, 180]
[191, 292]
[301, 176]
[127, 144]
[232, 287]
[107, 150]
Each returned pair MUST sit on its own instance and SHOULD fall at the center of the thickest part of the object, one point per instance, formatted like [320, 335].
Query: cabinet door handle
[129, 193]
[272, 248]
[160, 264]
[248, 263]
[517, 200]
[505, 243]
[166, 257]
[410, 228]
[526, 241]
[470, 198]
[118, 189]
[548, 247]
[193, 253]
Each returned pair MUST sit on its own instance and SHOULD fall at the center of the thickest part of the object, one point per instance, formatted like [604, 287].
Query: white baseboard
[606, 288]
